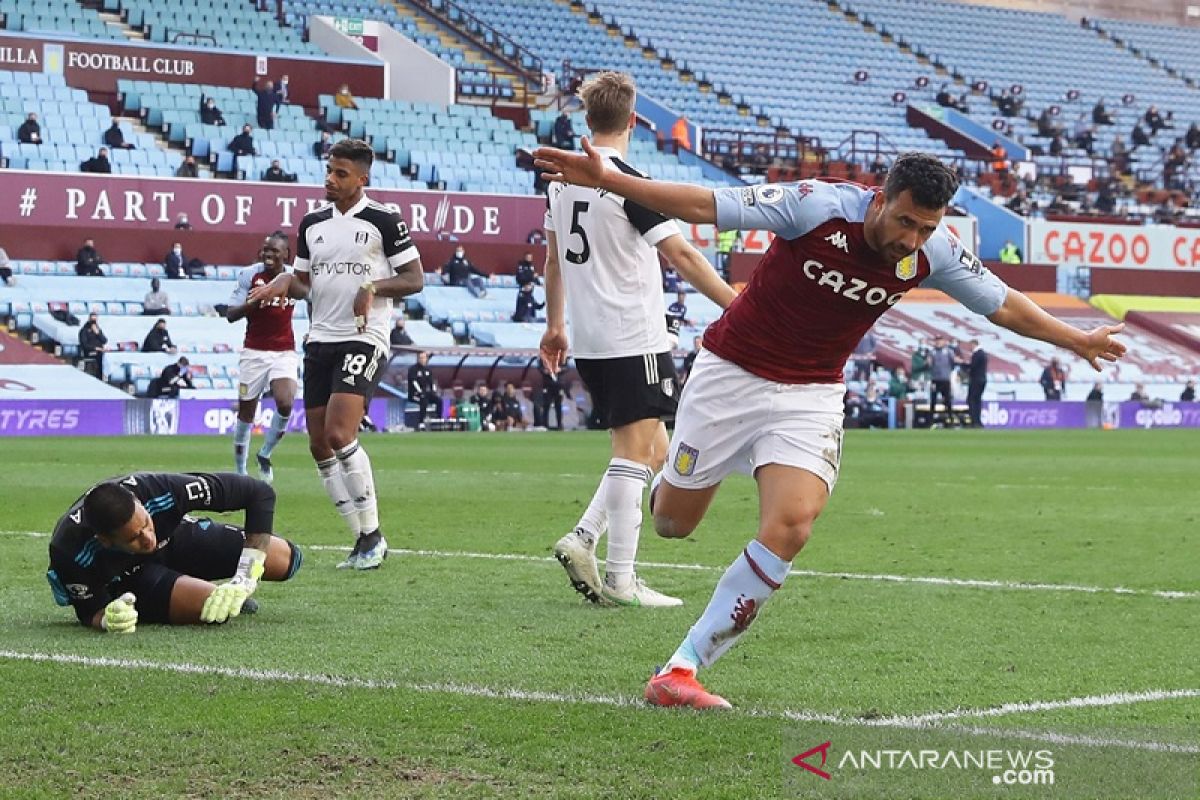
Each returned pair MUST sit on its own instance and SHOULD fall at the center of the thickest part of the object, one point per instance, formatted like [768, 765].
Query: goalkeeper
[128, 551]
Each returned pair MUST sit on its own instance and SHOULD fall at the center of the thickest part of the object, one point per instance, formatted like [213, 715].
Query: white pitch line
[1093, 701]
[960, 583]
[927, 721]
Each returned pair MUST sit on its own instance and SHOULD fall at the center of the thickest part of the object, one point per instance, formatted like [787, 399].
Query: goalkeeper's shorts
[200, 548]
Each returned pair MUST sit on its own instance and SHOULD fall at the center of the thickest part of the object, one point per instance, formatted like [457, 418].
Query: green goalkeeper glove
[225, 602]
[120, 616]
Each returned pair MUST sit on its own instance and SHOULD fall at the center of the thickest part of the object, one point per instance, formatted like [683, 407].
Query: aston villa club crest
[685, 459]
[906, 268]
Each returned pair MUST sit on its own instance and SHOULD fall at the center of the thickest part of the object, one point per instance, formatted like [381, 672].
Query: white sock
[748, 583]
[278, 428]
[356, 467]
[335, 487]
[595, 520]
[241, 446]
[624, 482]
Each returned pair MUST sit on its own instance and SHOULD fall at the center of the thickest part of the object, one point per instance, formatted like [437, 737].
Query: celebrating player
[601, 260]
[765, 394]
[352, 258]
[268, 355]
[127, 551]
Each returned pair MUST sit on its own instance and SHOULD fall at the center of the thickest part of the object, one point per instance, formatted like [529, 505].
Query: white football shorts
[730, 420]
[257, 368]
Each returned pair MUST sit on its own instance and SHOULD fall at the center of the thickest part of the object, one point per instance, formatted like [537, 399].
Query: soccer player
[128, 550]
[353, 257]
[268, 355]
[602, 265]
[765, 393]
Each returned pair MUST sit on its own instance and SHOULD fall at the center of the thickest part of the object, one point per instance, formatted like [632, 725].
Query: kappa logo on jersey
[685, 459]
[361, 237]
[906, 268]
[838, 240]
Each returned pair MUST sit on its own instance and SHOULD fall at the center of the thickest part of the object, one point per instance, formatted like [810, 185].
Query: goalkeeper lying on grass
[128, 551]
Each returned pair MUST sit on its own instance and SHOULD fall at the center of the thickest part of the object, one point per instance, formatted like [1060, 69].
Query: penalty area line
[958, 583]
[919, 722]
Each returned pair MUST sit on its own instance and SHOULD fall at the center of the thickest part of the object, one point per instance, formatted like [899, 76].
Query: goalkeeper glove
[225, 602]
[120, 616]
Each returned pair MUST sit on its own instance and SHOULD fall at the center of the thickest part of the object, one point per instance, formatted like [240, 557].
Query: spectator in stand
[1010, 253]
[1154, 120]
[423, 389]
[963, 104]
[114, 137]
[209, 113]
[977, 367]
[182, 223]
[562, 135]
[1106, 201]
[1192, 138]
[1139, 389]
[1189, 393]
[526, 272]
[156, 303]
[670, 279]
[483, 399]
[552, 396]
[91, 339]
[174, 262]
[173, 378]
[30, 131]
[1019, 202]
[459, 271]
[864, 356]
[919, 365]
[690, 358]
[944, 98]
[1056, 145]
[899, 386]
[1175, 167]
[98, 163]
[1100, 114]
[497, 414]
[1096, 395]
[1045, 124]
[276, 174]
[1053, 380]
[681, 134]
[243, 143]
[265, 105]
[343, 98]
[1007, 104]
[188, 168]
[527, 305]
[158, 340]
[88, 260]
[1119, 156]
[399, 336]
[1138, 137]
[321, 148]
[282, 92]
[942, 361]
[873, 411]
[1000, 163]
[6, 273]
[512, 409]
[1082, 134]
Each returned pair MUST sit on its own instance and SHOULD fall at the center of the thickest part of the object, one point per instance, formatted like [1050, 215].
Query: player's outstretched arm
[696, 270]
[1021, 315]
[554, 344]
[679, 200]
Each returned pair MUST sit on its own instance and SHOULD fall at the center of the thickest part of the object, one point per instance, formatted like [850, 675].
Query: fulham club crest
[360, 237]
[906, 268]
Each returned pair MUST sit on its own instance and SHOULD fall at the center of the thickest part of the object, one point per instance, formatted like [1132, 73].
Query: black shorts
[200, 548]
[341, 367]
[631, 388]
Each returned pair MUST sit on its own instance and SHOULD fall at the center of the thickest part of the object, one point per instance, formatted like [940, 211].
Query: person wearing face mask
[128, 550]
[173, 263]
[459, 271]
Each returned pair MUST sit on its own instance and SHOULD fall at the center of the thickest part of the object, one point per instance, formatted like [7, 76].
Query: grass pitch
[450, 673]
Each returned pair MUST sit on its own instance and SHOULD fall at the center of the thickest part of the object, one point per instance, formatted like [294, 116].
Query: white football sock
[594, 520]
[276, 432]
[624, 483]
[335, 487]
[241, 445]
[356, 467]
[748, 583]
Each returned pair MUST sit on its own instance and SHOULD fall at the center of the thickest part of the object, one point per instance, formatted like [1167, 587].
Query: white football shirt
[609, 268]
[340, 252]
